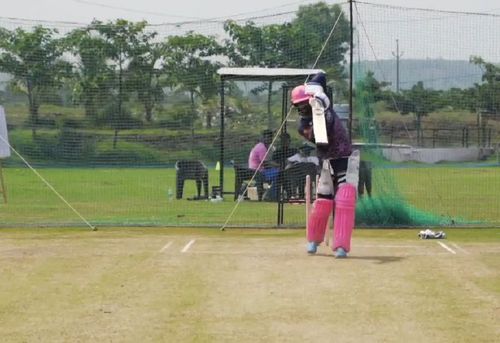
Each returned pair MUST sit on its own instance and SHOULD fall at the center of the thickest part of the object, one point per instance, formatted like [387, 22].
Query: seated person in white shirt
[304, 155]
[294, 175]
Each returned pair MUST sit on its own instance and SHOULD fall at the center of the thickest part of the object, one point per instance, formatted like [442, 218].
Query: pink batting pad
[344, 216]
[318, 220]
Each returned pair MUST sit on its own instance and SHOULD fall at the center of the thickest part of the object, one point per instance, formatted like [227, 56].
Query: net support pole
[3, 190]
[351, 54]
[221, 137]
[281, 205]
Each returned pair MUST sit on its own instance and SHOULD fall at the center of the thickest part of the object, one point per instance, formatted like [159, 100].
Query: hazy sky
[160, 11]
[421, 34]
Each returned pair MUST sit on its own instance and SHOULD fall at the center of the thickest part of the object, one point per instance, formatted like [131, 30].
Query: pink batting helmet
[299, 95]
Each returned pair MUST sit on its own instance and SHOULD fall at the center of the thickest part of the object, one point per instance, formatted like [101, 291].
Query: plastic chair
[191, 170]
[242, 176]
[294, 178]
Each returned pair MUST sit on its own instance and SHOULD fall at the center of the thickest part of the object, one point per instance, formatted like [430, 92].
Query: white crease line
[186, 248]
[166, 246]
[446, 247]
[460, 248]
[301, 254]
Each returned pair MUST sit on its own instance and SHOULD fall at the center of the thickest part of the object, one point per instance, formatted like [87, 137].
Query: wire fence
[123, 119]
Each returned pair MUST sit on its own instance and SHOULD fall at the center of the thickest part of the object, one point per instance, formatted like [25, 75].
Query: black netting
[123, 119]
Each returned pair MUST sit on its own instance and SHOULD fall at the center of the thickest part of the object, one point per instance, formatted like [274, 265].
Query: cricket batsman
[320, 124]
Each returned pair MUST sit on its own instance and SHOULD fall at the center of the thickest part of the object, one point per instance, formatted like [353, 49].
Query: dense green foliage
[121, 76]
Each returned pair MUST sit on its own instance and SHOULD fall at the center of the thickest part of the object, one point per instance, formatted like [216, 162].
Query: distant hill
[437, 74]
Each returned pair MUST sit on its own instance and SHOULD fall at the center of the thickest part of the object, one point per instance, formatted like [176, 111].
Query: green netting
[395, 212]
[388, 207]
[415, 119]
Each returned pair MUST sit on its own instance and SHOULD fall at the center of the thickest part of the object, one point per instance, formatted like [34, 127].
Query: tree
[376, 90]
[94, 78]
[421, 102]
[34, 59]
[296, 44]
[190, 64]
[310, 31]
[123, 40]
[145, 72]
[267, 46]
[209, 91]
[488, 93]
[458, 98]
[250, 45]
[368, 91]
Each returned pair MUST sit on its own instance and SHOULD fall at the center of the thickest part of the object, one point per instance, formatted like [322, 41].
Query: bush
[42, 148]
[126, 153]
[41, 122]
[177, 117]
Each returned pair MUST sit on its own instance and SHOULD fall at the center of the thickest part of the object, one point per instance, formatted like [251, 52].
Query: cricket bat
[319, 121]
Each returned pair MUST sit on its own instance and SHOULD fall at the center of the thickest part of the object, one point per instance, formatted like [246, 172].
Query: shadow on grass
[376, 259]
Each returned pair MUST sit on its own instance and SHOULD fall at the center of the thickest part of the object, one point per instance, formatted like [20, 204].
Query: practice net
[117, 123]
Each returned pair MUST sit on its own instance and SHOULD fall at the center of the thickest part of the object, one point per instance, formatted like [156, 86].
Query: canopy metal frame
[289, 75]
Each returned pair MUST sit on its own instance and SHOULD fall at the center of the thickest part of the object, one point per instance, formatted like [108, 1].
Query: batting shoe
[312, 247]
[340, 253]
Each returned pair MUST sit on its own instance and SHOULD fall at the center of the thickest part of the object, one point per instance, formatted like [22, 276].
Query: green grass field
[204, 285]
[138, 196]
